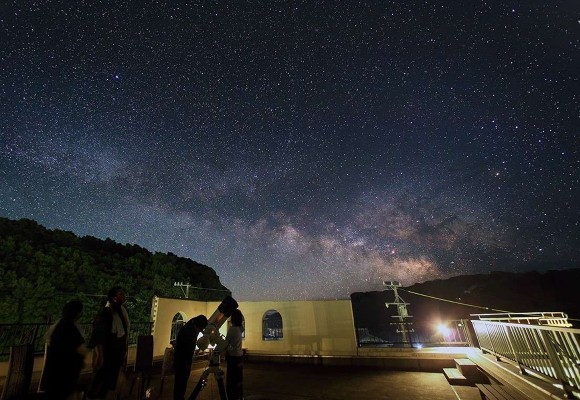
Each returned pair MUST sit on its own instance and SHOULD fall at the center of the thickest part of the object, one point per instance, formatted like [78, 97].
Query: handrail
[552, 352]
[551, 318]
[558, 314]
[15, 334]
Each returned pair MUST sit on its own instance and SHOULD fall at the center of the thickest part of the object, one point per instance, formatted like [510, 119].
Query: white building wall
[317, 327]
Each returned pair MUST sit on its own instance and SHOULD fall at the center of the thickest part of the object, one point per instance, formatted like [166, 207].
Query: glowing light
[443, 329]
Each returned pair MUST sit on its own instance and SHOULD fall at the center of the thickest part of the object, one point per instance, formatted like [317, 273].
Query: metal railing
[419, 333]
[549, 351]
[551, 318]
[15, 334]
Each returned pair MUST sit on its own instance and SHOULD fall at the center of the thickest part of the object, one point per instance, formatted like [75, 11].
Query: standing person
[184, 348]
[109, 343]
[65, 355]
[234, 356]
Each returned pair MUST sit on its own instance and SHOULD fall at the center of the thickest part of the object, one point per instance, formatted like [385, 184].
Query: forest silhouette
[42, 269]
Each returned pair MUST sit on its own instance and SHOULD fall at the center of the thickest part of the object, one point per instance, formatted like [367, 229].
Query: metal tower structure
[403, 326]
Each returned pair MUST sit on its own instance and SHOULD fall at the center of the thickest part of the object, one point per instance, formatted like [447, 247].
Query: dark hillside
[512, 292]
[494, 292]
[41, 269]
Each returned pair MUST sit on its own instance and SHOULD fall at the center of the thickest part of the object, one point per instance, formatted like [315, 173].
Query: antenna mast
[403, 327]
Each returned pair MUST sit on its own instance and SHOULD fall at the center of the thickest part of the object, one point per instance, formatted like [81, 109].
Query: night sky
[302, 149]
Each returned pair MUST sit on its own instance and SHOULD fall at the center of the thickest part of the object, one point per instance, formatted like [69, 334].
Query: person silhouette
[65, 355]
[234, 357]
[183, 354]
[109, 342]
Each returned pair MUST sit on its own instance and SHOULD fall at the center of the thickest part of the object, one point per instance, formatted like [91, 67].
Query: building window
[272, 326]
[176, 324]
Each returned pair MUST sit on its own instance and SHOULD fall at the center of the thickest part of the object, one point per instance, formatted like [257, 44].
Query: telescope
[211, 336]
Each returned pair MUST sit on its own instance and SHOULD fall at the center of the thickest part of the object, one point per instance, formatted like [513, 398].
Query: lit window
[176, 324]
[272, 326]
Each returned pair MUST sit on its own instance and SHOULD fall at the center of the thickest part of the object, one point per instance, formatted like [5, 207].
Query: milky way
[302, 149]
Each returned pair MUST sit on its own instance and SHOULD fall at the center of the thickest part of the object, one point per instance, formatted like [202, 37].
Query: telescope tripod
[213, 368]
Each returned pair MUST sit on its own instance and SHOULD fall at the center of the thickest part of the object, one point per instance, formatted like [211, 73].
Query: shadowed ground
[295, 382]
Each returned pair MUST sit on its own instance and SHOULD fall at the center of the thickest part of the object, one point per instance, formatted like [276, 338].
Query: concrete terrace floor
[275, 381]
[392, 374]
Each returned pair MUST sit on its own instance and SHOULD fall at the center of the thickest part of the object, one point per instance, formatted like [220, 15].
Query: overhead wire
[455, 302]
[466, 304]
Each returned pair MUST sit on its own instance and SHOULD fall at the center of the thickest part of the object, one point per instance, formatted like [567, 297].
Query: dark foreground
[303, 382]
[277, 381]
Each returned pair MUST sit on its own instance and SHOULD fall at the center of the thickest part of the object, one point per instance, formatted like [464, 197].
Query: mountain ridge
[464, 296]
[43, 268]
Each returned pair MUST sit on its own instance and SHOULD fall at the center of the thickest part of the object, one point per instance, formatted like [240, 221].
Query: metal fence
[550, 351]
[417, 334]
[15, 334]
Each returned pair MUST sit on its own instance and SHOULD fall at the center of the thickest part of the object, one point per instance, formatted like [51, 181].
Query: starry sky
[302, 149]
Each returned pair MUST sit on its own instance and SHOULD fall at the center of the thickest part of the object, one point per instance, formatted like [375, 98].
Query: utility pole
[182, 285]
[403, 327]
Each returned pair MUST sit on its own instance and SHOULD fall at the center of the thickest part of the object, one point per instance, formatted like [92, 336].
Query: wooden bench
[19, 373]
[497, 392]
[167, 366]
[142, 370]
